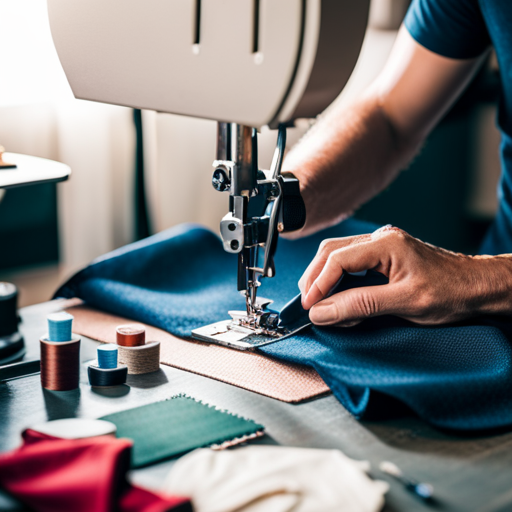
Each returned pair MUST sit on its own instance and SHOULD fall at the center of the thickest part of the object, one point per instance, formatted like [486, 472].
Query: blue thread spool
[59, 326]
[107, 356]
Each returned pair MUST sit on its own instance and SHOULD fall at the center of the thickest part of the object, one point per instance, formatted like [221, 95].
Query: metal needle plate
[235, 336]
[230, 334]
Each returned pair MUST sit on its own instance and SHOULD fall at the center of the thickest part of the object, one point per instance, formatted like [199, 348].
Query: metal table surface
[468, 473]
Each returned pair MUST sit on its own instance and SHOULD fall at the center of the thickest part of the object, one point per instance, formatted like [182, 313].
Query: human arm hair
[354, 152]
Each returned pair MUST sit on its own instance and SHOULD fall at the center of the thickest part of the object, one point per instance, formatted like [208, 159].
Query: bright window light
[30, 70]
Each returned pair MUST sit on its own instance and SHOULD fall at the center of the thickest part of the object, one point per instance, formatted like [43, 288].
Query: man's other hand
[427, 285]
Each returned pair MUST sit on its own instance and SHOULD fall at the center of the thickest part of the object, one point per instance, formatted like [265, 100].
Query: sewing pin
[422, 490]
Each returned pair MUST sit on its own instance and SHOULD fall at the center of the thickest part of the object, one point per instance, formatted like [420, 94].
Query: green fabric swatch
[165, 429]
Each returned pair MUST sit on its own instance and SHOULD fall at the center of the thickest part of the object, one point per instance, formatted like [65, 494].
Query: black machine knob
[8, 309]
[293, 212]
[220, 179]
[269, 320]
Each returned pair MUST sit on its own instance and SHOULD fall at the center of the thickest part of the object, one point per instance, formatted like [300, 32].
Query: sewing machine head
[262, 204]
[244, 63]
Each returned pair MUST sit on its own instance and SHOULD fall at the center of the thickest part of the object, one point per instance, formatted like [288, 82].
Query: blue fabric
[456, 377]
[462, 29]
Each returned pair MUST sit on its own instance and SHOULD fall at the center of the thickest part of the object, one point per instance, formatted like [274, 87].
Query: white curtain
[97, 141]
[96, 204]
[38, 116]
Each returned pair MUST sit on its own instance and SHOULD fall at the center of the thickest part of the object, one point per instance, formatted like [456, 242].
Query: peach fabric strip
[248, 370]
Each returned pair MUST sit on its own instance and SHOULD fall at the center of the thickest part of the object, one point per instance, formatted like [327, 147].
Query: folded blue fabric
[455, 376]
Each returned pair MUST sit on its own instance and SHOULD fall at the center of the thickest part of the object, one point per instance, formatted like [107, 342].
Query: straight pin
[422, 490]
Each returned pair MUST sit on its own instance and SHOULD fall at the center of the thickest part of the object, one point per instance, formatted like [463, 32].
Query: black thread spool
[12, 346]
[106, 377]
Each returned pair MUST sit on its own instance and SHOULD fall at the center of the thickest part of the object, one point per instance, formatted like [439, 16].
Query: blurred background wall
[447, 196]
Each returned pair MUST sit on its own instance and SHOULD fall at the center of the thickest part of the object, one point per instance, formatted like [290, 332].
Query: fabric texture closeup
[172, 427]
[275, 479]
[453, 376]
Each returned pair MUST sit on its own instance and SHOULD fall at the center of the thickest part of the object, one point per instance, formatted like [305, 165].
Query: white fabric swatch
[275, 479]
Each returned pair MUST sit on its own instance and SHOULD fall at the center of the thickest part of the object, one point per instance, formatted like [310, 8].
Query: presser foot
[248, 331]
[234, 335]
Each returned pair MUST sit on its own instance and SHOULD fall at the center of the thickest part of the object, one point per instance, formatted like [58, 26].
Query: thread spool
[60, 364]
[131, 335]
[59, 326]
[106, 377]
[60, 354]
[8, 303]
[104, 372]
[12, 346]
[142, 359]
[76, 428]
[107, 356]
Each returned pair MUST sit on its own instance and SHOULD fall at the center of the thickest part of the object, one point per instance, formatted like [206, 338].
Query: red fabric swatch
[83, 475]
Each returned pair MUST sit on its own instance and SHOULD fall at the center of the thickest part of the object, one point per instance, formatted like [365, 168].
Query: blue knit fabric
[456, 377]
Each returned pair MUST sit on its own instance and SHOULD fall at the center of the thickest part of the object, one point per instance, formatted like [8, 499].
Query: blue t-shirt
[463, 29]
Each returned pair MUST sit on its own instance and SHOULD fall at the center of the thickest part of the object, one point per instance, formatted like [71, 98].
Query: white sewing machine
[243, 63]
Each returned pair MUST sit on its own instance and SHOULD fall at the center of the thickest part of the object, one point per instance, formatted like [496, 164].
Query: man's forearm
[349, 156]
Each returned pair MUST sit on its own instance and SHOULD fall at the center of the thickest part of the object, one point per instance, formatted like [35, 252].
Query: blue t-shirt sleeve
[451, 28]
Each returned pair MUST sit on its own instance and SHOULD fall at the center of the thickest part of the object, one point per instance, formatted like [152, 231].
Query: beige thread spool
[141, 359]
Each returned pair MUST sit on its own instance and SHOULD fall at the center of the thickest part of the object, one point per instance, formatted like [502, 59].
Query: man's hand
[427, 285]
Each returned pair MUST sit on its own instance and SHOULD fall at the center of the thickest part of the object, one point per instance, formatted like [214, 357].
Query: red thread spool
[60, 364]
[130, 335]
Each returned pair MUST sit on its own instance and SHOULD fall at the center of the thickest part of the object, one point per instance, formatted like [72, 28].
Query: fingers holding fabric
[351, 307]
[427, 285]
[353, 258]
[327, 247]
[405, 260]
